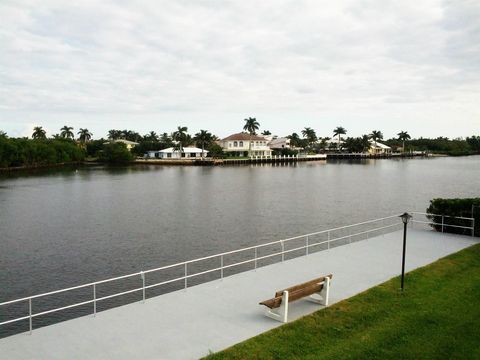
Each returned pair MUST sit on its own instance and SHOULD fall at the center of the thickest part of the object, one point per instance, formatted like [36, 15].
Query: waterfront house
[240, 144]
[379, 148]
[172, 153]
[279, 143]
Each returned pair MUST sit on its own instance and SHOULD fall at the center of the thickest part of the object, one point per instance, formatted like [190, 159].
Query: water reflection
[63, 227]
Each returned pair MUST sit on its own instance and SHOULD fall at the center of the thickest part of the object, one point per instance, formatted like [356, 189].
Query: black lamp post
[405, 218]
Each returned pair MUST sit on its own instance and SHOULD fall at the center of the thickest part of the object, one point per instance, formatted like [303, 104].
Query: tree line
[68, 146]
[21, 152]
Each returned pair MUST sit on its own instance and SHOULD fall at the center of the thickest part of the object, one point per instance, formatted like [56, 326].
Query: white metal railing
[443, 225]
[307, 245]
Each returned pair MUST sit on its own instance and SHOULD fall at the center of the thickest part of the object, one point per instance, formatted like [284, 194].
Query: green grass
[437, 317]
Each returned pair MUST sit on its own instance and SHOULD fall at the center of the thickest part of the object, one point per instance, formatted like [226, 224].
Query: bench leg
[280, 314]
[322, 296]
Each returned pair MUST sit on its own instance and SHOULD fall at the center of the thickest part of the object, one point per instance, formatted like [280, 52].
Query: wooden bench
[317, 291]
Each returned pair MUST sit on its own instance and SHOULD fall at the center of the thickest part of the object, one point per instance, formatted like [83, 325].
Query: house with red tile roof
[241, 144]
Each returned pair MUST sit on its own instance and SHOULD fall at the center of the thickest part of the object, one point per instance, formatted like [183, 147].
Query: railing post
[186, 273]
[443, 216]
[255, 259]
[307, 246]
[142, 274]
[283, 249]
[473, 226]
[328, 240]
[94, 300]
[221, 267]
[30, 314]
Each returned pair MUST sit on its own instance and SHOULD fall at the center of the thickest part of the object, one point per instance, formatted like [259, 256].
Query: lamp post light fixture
[405, 219]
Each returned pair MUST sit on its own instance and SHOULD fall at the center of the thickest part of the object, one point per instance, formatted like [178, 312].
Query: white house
[379, 148]
[240, 144]
[171, 153]
[279, 143]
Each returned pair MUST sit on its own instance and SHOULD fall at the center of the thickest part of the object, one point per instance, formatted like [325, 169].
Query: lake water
[66, 227]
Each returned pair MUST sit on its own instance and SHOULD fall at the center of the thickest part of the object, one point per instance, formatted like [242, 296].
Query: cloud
[187, 60]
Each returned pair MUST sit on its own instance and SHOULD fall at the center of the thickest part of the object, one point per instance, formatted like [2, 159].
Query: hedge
[455, 207]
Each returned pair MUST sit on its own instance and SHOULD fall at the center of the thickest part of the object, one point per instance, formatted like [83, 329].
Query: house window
[169, 155]
[235, 144]
[241, 143]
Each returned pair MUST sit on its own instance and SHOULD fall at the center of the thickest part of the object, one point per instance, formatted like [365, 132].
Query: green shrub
[215, 150]
[455, 207]
[115, 153]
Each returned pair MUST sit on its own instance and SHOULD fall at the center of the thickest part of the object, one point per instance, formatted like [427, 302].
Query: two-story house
[240, 144]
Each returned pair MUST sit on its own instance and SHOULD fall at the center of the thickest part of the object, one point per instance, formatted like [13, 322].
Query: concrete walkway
[215, 315]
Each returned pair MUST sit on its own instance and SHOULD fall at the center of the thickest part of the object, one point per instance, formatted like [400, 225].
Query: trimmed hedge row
[455, 207]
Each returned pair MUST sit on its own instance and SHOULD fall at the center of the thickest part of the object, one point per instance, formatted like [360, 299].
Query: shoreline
[220, 162]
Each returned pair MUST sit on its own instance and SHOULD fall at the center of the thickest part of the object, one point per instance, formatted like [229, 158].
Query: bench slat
[272, 303]
[301, 286]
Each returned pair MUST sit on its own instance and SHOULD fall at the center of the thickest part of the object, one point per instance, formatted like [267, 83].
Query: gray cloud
[153, 65]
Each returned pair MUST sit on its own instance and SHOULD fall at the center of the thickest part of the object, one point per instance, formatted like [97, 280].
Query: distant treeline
[21, 152]
[441, 145]
[63, 148]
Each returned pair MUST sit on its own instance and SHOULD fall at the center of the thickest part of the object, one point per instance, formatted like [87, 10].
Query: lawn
[437, 317]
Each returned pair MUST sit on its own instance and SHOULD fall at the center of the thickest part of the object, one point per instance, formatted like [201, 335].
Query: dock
[275, 159]
[345, 155]
[188, 324]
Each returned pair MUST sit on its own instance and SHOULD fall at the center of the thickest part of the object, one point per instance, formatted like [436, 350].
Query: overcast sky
[153, 65]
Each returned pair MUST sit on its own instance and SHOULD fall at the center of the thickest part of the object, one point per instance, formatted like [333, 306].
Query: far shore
[175, 162]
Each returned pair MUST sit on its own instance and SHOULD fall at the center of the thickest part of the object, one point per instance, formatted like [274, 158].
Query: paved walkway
[215, 315]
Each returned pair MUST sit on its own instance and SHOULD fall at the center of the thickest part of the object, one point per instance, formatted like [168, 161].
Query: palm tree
[294, 140]
[365, 143]
[166, 140]
[3, 134]
[251, 126]
[403, 136]
[376, 135]
[339, 131]
[151, 136]
[266, 132]
[180, 136]
[66, 132]
[39, 133]
[323, 142]
[114, 134]
[202, 137]
[130, 135]
[310, 135]
[84, 135]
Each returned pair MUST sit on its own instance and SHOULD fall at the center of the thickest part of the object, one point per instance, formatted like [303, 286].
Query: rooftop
[123, 141]
[379, 145]
[185, 150]
[244, 136]
[187, 324]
